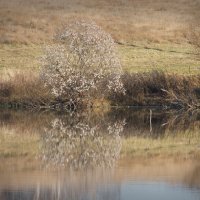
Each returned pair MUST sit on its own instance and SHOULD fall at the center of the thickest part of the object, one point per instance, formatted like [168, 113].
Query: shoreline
[150, 89]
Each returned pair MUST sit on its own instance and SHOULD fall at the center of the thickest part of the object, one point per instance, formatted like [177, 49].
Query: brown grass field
[34, 21]
[152, 34]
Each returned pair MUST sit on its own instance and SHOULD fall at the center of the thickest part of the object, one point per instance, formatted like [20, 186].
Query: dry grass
[19, 57]
[158, 89]
[35, 21]
[142, 89]
[143, 57]
[194, 38]
[23, 89]
[170, 58]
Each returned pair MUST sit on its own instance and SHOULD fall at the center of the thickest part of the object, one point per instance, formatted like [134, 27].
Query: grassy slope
[158, 29]
[19, 57]
[35, 21]
[171, 58]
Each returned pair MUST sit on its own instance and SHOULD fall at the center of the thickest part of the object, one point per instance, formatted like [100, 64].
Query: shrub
[24, 88]
[83, 59]
[157, 88]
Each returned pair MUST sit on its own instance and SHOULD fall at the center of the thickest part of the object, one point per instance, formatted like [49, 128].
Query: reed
[154, 88]
[157, 88]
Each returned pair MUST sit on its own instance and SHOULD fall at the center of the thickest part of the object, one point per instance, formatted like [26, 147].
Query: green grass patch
[141, 57]
[171, 58]
[19, 57]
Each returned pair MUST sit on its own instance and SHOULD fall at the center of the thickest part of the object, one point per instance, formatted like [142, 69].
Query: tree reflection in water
[77, 143]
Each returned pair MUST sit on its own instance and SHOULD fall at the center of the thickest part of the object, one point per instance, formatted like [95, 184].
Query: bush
[83, 57]
[24, 88]
[157, 88]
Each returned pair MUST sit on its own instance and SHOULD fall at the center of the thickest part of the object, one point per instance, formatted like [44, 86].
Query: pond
[120, 154]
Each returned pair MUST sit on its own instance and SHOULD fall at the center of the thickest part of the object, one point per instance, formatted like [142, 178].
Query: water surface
[84, 156]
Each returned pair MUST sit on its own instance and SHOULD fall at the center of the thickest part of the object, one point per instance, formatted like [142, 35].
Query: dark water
[45, 155]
